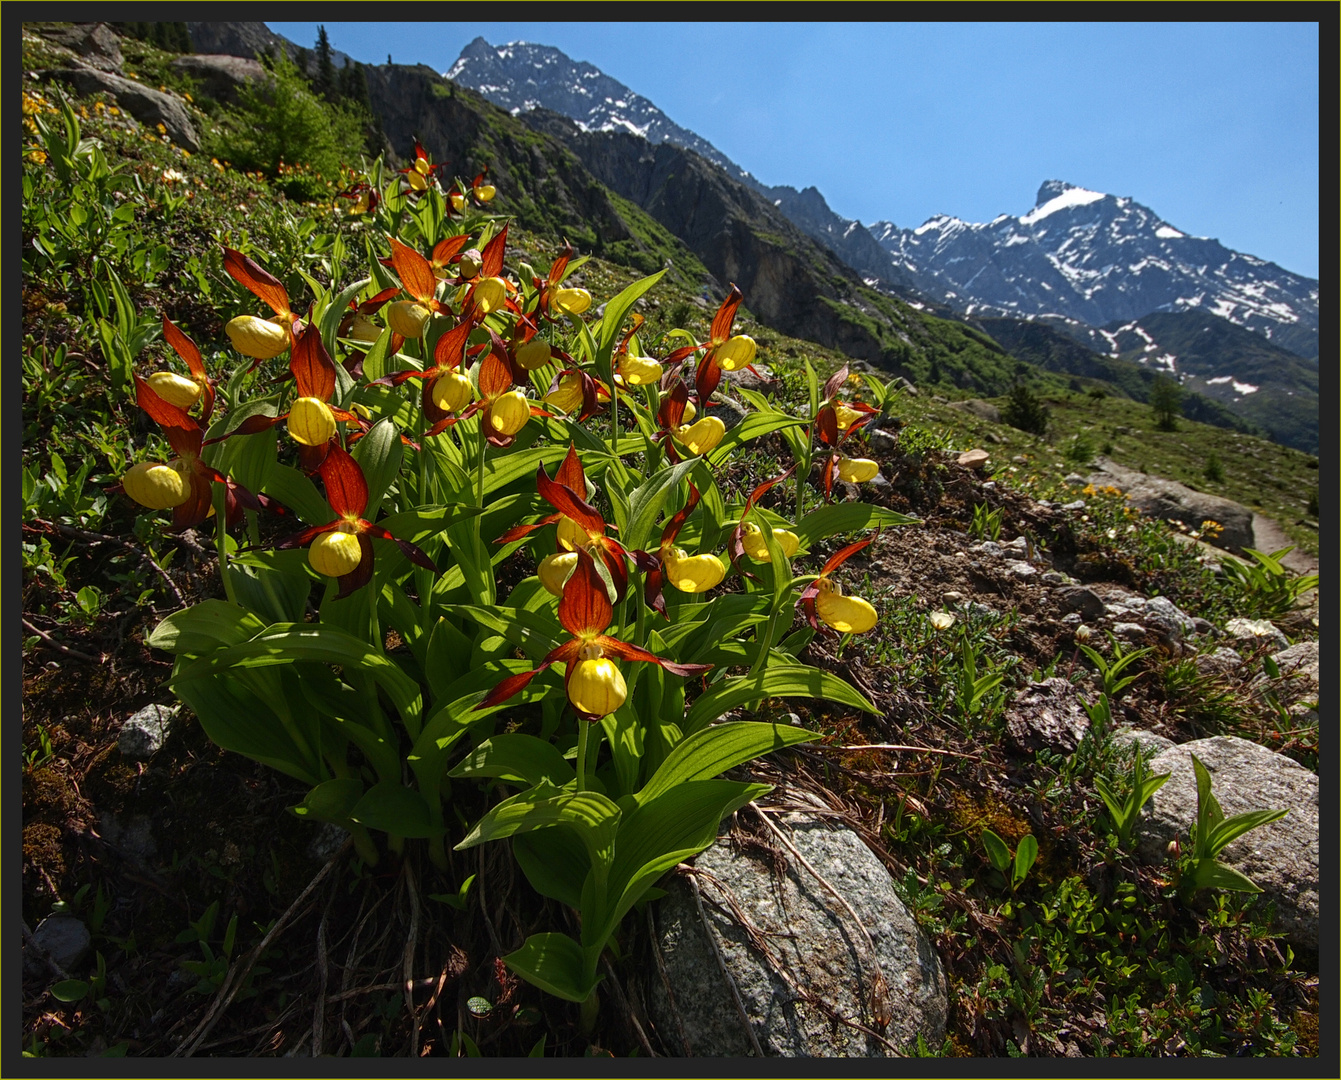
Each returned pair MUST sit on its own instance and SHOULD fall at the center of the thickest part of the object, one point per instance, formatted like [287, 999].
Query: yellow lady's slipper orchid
[567, 396]
[845, 415]
[534, 355]
[736, 352]
[572, 301]
[311, 421]
[406, 317]
[256, 337]
[174, 389]
[689, 412]
[335, 554]
[595, 686]
[752, 539]
[555, 570]
[457, 200]
[856, 470]
[507, 414]
[491, 294]
[485, 192]
[158, 486]
[693, 573]
[846, 614]
[571, 535]
[364, 329]
[639, 370]
[701, 437]
[452, 391]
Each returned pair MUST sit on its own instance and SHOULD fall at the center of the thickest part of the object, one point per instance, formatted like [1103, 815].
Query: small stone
[1055, 577]
[952, 597]
[1019, 459]
[1080, 599]
[143, 735]
[1076, 504]
[1074, 480]
[989, 547]
[973, 459]
[63, 938]
[1133, 632]
[1023, 569]
[1203, 626]
[1221, 662]
[1047, 715]
[327, 842]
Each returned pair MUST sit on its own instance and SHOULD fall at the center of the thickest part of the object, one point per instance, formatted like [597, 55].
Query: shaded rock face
[1280, 857]
[219, 76]
[94, 43]
[812, 938]
[1172, 501]
[791, 283]
[149, 107]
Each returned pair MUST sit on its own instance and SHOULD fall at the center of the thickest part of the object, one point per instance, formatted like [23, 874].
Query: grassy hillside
[224, 921]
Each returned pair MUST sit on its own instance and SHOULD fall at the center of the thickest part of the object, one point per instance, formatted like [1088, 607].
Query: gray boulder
[61, 939]
[221, 77]
[984, 410]
[1280, 857]
[149, 107]
[1169, 500]
[810, 937]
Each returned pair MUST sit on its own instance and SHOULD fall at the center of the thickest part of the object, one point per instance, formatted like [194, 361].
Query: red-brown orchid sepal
[416, 274]
[347, 493]
[708, 373]
[445, 252]
[492, 255]
[736, 546]
[553, 279]
[572, 476]
[184, 347]
[653, 565]
[261, 283]
[587, 518]
[807, 598]
[585, 612]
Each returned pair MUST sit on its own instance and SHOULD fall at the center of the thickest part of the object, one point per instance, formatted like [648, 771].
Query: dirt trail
[1268, 537]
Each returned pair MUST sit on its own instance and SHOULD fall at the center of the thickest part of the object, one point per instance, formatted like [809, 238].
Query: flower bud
[567, 396]
[752, 539]
[534, 354]
[555, 570]
[335, 554]
[491, 294]
[256, 337]
[364, 329]
[693, 573]
[470, 263]
[157, 486]
[736, 353]
[595, 686]
[701, 437]
[407, 318]
[571, 301]
[452, 391]
[846, 614]
[857, 470]
[174, 389]
[639, 370]
[508, 413]
[311, 422]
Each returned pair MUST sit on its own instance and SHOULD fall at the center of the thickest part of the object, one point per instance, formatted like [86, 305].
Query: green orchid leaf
[517, 758]
[646, 502]
[555, 862]
[395, 809]
[753, 426]
[1025, 854]
[776, 680]
[1209, 874]
[707, 754]
[296, 491]
[1230, 829]
[378, 454]
[555, 963]
[848, 517]
[209, 625]
[331, 801]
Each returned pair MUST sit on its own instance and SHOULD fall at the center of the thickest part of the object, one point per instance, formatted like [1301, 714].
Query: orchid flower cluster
[450, 414]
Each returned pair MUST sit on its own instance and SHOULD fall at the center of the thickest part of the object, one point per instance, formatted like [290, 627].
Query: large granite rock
[149, 107]
[811, 937]
[94, 43]
[1172, 501]
[221, 77]
[1280, 857]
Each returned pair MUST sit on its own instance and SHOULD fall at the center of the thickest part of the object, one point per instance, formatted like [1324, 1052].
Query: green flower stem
[479, 470]
[583, 733]
[376, 626]
[221, 539]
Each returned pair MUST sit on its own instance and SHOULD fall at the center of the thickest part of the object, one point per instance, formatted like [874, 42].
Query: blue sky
[1214, 126]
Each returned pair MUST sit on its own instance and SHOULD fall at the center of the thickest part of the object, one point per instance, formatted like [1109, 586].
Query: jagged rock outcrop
[1172, 501]
[220, 76]
[149, 107]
